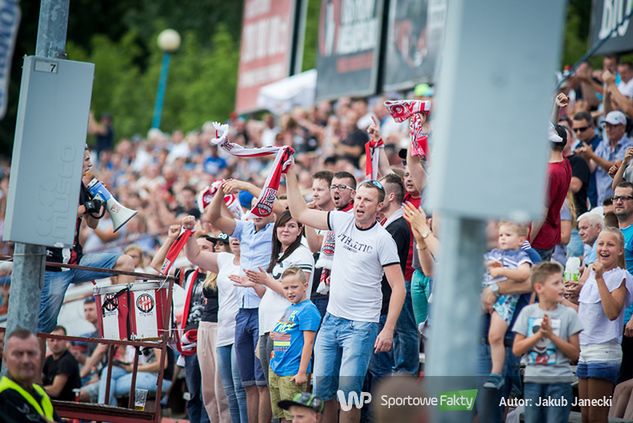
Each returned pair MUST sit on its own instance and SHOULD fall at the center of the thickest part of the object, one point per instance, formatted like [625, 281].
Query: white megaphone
[118, 213]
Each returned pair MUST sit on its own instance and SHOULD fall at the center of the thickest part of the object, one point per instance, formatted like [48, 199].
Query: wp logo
[353, 399]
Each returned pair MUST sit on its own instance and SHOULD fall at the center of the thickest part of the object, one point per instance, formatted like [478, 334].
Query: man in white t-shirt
[364, 251]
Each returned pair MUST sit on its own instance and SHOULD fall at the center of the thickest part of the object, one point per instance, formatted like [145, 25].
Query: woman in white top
[287, 251]
[215, 341]
[604, 294]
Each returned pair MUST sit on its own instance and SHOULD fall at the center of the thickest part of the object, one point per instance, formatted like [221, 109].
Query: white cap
[616, 117]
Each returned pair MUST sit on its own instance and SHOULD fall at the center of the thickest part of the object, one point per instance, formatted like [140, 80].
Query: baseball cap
[303, 399]
[615, 117]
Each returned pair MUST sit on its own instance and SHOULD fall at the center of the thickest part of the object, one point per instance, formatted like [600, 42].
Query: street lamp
[168, 41]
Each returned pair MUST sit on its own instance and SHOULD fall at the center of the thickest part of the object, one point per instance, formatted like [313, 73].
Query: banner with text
[348, 48]
[9, 21]
[607, 16]
[414, 37]
[266, 48]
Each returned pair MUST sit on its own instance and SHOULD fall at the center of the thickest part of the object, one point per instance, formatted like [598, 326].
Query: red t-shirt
[559, 177]
[408, 270]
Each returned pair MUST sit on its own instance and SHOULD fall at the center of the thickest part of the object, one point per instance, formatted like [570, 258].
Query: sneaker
[494, 381]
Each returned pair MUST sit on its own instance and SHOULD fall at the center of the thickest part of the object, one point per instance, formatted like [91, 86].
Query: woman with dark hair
[287, 251]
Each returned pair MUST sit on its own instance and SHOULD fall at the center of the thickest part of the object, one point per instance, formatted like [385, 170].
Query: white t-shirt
[273, 305]
[357, 268]
[228, 304]
[626, 88]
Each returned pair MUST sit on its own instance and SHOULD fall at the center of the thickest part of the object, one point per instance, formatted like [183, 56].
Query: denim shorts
[342, 353]
[600, 361]
[607, 370]
[56, 284]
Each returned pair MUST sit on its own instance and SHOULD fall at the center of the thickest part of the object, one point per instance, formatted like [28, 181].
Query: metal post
[456, 289]
[162, 87]
[28, 260]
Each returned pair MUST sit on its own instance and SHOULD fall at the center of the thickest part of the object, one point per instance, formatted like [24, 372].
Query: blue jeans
[321, 303]
[488, 400]
[195, 406]
[381, 363]
[246, 337]
[56, 284]
[230, 376]
[535, 392]
[122, 380]
[342, 353]
[406, 342]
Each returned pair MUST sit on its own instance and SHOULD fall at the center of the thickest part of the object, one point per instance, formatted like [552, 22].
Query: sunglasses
[622, 198]
[584, 128]
[374, 183]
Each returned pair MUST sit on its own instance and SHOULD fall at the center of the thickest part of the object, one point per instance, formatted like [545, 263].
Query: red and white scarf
[372, 158]
[232, 202]
[417, 111]
[174, 250]
[283, 156]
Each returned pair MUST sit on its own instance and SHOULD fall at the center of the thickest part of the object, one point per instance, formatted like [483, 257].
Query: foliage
[119, 37]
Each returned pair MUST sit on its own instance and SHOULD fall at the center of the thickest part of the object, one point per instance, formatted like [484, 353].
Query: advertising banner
[349, 48]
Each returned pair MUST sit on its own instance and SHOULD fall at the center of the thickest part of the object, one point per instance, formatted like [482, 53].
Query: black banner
[607, 16]
[349, 47]
[414, 37]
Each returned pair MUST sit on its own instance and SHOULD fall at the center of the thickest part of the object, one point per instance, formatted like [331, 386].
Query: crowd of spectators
[345, 266]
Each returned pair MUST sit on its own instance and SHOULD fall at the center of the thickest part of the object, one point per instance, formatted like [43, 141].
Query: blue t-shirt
[214, 165]
[628, 258]
[287, 337]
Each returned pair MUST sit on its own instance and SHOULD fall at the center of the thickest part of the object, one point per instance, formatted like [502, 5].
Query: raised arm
[298, 207]
[416, 170]
[234, 184]
[159, 257]
[206, 260]
[213, 213]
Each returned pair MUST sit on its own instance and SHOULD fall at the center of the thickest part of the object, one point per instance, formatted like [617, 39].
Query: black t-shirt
[65, 365]
[399, 230]
[580, 169]
[105, 141]
[14, 408]
[198, 303]
[72, 255]
[357, 138]
[210, 312]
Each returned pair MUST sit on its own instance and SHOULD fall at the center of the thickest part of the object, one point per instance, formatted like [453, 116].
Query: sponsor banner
[414, 37]
[266, 48]
[9, 22]
[607, 16]
[349, 48]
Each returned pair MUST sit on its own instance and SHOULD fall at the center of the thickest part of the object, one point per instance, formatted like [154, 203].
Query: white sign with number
[9, 21]
[47, 66]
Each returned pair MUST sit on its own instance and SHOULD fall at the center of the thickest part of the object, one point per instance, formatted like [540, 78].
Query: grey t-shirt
[544, 363]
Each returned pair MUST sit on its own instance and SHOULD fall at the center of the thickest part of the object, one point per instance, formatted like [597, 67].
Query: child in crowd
[547, 334]
[606, 290]
[507, 261]
[293, 339]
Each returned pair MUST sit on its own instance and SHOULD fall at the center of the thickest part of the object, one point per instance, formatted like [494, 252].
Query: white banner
[9, 21]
